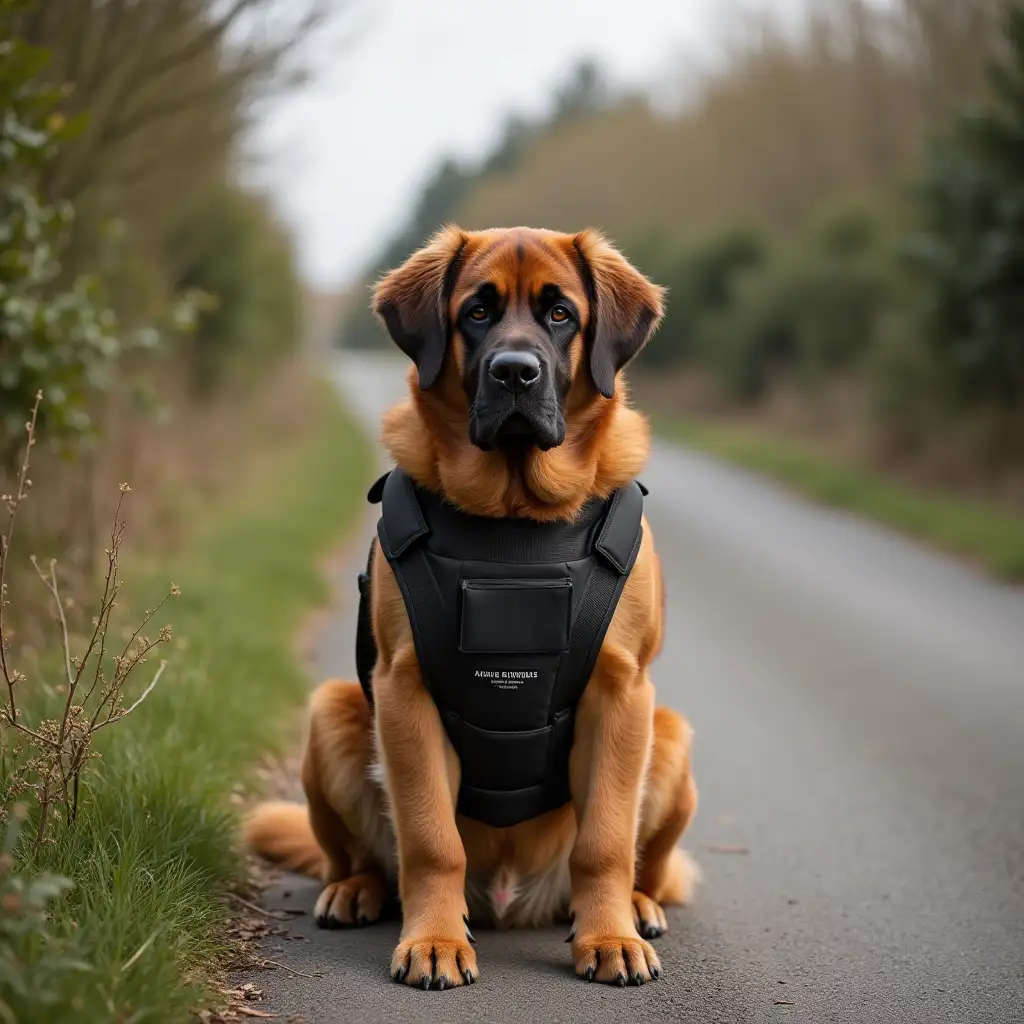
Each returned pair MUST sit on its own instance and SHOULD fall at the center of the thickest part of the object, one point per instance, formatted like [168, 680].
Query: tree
[58, 340]
[125, 113]
[970, 255]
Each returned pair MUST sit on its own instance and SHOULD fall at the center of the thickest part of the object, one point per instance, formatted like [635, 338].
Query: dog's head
[527, 324]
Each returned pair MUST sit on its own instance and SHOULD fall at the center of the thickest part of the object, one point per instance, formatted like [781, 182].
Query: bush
[232, 251]
[44, 751]
[970, 254]
[54, 337]
[35, 959]
[701, 280]
[59, 333]
[810, 311]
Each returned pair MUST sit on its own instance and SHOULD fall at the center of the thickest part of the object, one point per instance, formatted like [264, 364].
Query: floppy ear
[625, 308]
[412, 302]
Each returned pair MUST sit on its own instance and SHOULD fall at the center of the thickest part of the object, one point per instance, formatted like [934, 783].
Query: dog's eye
[477, 313]
[559, 314]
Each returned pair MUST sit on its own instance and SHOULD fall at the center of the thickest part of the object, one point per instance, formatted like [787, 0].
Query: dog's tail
[682, 876]
[281, 832]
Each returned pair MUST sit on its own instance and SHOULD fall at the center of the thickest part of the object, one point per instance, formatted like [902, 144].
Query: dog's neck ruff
[508, 616]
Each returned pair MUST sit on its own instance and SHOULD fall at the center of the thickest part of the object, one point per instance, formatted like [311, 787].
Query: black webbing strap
[400, 526]
[402, 517]
[406, 522]
[513, 541]
[366, 645]
[618, 544]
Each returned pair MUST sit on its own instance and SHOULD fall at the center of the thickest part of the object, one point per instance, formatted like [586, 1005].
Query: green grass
[155, 841]
[990, 535]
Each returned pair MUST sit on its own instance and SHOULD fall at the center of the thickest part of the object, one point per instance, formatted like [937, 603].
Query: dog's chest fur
[509, 900]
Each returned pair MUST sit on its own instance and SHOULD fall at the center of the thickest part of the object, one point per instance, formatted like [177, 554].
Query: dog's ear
[412, 302]
[625, 308]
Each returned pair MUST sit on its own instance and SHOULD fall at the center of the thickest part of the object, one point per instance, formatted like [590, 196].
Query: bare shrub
[46, 743]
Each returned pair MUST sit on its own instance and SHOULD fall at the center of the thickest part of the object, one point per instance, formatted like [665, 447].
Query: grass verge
[992, 536]
[136, 937]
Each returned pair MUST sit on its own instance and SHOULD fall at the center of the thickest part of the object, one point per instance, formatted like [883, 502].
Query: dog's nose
[515, 370]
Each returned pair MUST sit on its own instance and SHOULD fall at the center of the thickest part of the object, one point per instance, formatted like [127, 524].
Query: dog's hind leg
[346, 807]
[343, 835]
[665, 873]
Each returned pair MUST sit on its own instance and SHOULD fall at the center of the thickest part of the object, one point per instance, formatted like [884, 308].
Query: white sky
[399, 84]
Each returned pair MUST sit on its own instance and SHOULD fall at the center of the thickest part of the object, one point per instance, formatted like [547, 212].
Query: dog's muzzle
[516, 402]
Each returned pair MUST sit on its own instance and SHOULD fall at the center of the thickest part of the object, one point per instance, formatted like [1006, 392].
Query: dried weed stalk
[44, 757]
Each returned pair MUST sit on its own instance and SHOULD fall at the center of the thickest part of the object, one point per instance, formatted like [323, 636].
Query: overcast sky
[417, 80]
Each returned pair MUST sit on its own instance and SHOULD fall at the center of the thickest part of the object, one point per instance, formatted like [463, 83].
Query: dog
[517, 407]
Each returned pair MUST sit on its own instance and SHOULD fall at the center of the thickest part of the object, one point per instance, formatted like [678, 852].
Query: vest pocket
[505, 808]
[515, 616]
[500, 760]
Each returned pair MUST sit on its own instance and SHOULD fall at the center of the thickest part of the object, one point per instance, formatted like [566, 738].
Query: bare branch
[156, 112]
[38, 737]
[99, 633]
[81, 31]
[149, 689]
[202, 41]
[131, 69]
[13, 504]
[65, 640]
[111, 588]
[37, 20]
[145, 622]
[106, 54]
[122, 77]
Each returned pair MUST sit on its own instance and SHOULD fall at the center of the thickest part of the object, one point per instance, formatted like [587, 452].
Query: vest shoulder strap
[618, 544]
[366, 643]
[619, 536]
[402, 518]
[400, 526]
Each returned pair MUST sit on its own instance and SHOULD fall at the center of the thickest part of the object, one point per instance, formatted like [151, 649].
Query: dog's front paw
[353, 902]
[443, 962]
[615, 961]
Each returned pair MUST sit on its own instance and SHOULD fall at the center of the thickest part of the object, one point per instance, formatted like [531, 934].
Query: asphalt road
[859, 711]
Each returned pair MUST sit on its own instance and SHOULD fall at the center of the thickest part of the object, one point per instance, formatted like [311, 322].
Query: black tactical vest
[508, 616]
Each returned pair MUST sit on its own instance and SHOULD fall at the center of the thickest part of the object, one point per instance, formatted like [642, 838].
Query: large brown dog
[382, 784]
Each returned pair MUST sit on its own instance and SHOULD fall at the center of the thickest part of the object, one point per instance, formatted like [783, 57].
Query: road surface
[859, 711]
